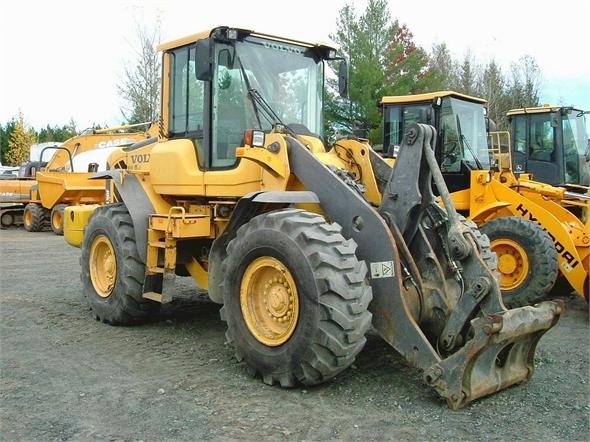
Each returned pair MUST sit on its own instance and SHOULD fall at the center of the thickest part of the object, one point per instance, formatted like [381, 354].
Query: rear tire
[527, 261]
[57, 219]
[34, 217]
[295, 298]
[112, 272]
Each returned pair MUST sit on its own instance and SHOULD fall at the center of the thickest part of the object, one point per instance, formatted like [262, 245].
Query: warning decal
[383, 269]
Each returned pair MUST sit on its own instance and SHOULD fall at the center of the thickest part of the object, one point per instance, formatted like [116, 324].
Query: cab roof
[192, 38]
[416, 98]
[546, 108]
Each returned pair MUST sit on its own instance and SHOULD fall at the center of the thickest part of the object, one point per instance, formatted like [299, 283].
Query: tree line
[383, 60]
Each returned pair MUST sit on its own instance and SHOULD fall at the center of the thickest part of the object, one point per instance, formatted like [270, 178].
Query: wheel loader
[64, 179]
[523, 218]
[306, 247]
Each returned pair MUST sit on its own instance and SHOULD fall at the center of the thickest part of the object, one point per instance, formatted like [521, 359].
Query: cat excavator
[306, 246]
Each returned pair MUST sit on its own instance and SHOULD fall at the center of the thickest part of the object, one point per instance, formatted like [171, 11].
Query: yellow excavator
[306, 246]
[524, 219]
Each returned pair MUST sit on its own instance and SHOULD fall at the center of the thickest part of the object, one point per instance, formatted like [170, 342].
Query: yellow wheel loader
[305, 246]
[523, 218]
[65, 178]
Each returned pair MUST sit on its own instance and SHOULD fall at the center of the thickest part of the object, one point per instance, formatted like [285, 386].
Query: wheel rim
[57, 220]
[513, 263]
[103, 266]
[269, 301]
[28, 218]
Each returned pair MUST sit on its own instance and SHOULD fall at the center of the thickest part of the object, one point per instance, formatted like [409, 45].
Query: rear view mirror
[204, 62]
[343, 79]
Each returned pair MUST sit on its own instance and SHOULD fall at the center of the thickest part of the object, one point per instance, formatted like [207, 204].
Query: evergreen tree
[4, 139]
[57, 133]
[20, 142]
[383, 61]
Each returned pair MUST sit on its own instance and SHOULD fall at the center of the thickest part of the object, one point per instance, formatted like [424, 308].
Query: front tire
[295, 298]
[527, 262]
[112, 272]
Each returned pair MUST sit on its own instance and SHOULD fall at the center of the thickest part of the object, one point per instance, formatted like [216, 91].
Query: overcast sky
[61, 60]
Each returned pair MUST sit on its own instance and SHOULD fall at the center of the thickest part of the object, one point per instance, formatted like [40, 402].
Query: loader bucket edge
[501, 354]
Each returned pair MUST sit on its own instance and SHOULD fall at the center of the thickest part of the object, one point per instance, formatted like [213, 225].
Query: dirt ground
[66, 377]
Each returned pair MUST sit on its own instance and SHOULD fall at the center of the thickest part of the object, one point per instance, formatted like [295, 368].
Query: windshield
[287, 77]
[574, 132]
[464, 135]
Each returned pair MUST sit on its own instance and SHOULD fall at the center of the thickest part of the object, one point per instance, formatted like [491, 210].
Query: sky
[61, 60]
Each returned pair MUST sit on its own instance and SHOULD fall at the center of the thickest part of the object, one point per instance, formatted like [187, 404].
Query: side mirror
[204, 62]
[343, 79]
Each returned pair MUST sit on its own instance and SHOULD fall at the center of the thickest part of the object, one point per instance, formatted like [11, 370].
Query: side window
[520, 135]
[541, 144]
[393, 127]
[186, 99]
[414, 114]
[397, 120]
[231, 108]
[451, 146]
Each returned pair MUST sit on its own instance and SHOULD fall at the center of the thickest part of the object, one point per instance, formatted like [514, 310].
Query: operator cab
[228, 81]
[551, 143]
[460, 120]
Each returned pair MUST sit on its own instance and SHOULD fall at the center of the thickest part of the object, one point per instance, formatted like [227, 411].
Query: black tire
[34, 217]
[57, 219]
[7, 219]
[527, 261]
[313, 335]
[484, 245]
[112, 272]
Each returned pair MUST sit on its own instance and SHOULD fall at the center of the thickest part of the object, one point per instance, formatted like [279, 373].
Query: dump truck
[65, 178]
[525, 219]
[306, 246]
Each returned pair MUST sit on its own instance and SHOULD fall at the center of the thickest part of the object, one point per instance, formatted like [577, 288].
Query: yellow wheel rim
[56, 220]
[103, 266]
[513, 263]
[269, 301]
[28, 218]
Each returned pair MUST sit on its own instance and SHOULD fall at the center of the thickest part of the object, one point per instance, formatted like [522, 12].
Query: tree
[383, 61]
[443, 68]
[5, 138]
[523, 86]
[140, 88]
[20, 142]
[57, 133]
[492, 86]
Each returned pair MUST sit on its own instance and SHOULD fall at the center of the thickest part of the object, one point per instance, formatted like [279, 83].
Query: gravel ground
[66, 377]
